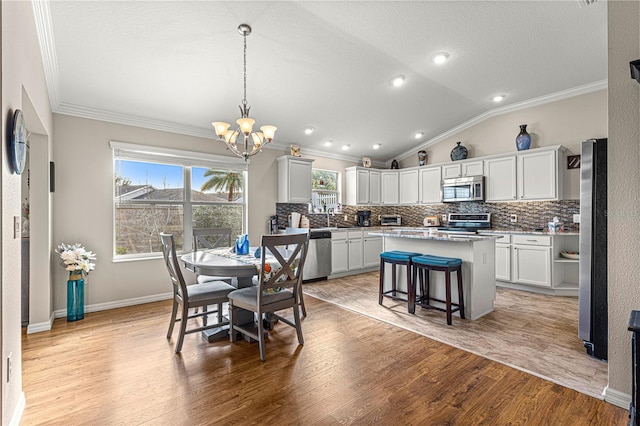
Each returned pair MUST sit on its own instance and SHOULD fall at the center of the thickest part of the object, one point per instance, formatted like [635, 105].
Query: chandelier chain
[244, 100]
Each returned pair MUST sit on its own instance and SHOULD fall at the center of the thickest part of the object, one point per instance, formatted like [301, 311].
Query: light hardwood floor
[117, 367]
[533, 332]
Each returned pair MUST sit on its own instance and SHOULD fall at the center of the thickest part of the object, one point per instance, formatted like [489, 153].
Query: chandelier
[245, 124]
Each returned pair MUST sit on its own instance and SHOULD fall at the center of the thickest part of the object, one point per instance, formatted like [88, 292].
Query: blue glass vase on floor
[523, 140]
[75, 296]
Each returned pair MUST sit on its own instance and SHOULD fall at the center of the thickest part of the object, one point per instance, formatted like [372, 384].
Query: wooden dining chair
[209, 238]
[278, 287]
[200, 295]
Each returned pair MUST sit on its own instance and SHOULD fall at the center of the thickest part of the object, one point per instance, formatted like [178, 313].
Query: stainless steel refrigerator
[592, 318]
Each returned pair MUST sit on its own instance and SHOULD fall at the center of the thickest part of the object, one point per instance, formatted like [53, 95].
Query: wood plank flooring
[117, 367]
[533, 332]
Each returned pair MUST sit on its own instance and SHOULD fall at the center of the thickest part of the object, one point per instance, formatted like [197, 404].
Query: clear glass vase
[75, 296]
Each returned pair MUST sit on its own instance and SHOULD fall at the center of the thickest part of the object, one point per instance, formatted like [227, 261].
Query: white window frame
[337, 190]
[186, 159]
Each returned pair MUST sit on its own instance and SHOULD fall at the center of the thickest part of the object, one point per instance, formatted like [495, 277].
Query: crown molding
[553, 97]
[44, 28]
[324, 154]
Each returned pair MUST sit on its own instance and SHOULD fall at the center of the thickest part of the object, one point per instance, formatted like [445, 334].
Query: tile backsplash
[531, 214]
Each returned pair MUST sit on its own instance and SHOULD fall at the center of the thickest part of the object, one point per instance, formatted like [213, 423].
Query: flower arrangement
[76, 258]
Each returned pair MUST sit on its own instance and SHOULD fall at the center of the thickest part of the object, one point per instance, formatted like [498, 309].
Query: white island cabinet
[478, 265]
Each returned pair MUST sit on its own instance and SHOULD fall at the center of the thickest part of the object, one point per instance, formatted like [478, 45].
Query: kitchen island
[478, 264]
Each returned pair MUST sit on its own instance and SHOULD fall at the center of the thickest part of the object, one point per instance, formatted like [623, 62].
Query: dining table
[224, 262]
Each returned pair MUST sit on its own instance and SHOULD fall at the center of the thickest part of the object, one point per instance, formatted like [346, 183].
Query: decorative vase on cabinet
[75, 296]
[459, 152]
[523, 140]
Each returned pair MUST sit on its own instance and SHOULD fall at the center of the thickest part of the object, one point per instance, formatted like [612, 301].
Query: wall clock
[18, 143]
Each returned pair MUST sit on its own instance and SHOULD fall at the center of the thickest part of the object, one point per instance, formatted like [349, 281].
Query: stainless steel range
[467, 223]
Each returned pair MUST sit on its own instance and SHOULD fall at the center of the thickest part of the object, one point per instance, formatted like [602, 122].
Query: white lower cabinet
[532, 265]
[372, 247]
[339, 252]
[503, 262]
[354, 251]
[533, 262]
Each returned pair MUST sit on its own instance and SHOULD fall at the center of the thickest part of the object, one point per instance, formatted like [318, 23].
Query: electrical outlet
[9, 366]
[514, 218]
[346, 218]
[576, 218]
[444, 217]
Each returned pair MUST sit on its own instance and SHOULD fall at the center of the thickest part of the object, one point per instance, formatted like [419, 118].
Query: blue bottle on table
[242, 244]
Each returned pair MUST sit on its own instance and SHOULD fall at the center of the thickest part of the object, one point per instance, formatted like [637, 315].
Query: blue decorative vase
[75, 296]
[523, 140]
[459, 152]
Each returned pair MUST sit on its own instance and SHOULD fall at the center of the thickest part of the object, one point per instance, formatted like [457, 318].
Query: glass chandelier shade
[253, 141]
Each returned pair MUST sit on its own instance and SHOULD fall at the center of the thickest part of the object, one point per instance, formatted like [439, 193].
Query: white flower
[76, 258]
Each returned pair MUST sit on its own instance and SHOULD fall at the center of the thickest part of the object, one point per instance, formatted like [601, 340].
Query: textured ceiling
[177, 65]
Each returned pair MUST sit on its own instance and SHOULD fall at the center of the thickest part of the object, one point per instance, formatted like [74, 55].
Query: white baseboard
[618, 398]
[17, 413]
[41, 326]
[60, 313]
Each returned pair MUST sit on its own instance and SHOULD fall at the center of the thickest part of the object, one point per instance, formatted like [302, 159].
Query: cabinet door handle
[533, 241]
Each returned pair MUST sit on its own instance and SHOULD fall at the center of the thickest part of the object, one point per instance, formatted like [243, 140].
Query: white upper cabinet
[294, 179]
[389, 187]
[362, 186]
[526, 176]
[429, 185]
[471, 168]
[539, 176]
[409, 187]
[500, 179]
[374, 187]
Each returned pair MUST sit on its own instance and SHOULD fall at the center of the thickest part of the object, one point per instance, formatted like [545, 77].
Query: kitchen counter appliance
[467, 223]
[363, 217]
[463, 189]
[390, 220]
[317, 265]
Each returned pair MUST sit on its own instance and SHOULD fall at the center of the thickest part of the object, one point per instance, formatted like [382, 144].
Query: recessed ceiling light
[308, 130]
[498, 98]
[440, 57]
[398, 81]
[345, 147]
[419, 135]
[328, 143]
[376, 146]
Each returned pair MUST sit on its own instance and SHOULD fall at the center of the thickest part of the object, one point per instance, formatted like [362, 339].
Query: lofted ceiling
[177, 65]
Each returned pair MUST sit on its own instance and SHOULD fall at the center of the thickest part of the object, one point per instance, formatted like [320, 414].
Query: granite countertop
[427, 235]
[527, 232]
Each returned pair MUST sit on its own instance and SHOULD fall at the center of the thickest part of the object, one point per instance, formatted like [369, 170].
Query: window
[325, 194]
[160, 190]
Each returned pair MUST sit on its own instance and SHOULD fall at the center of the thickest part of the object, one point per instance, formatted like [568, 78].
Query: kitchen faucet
[332, 211]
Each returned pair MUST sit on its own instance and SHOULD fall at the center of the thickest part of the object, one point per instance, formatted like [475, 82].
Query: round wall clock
[18, 143]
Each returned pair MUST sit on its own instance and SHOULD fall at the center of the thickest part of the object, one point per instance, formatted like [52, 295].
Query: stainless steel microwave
[463, 189]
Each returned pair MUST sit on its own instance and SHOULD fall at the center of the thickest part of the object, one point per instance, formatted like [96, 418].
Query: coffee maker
[364, 217]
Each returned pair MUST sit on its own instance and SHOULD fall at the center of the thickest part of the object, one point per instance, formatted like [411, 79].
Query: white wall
[83, 207]
[623, 180]
[22, 76]
[567, 122]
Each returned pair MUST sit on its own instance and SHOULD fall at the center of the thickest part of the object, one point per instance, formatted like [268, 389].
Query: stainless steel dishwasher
[318, 263]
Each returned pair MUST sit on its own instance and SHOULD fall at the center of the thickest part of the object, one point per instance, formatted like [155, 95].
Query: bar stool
[427, 263]
[397, 257]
